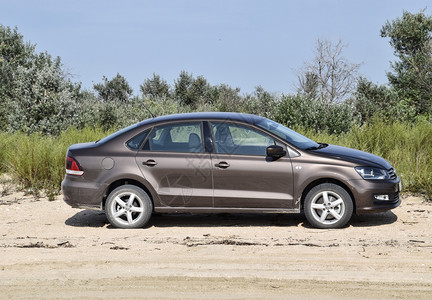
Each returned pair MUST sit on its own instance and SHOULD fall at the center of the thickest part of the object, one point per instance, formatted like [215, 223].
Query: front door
[243, 176]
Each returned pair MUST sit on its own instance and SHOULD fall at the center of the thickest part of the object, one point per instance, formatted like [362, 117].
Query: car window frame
[146, 144]
[277, 141]
[141, 143]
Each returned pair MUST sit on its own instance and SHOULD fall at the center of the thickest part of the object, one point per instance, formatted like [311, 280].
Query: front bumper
[365, 193]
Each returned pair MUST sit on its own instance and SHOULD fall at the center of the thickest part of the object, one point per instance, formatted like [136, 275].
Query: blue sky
[240, 43]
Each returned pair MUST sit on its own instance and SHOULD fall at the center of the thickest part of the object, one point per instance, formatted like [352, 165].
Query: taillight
[73, 167]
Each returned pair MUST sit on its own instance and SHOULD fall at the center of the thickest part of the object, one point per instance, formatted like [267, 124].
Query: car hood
[357, 156]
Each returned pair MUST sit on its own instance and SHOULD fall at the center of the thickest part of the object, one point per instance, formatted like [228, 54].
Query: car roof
[221, 116]
[232, 116]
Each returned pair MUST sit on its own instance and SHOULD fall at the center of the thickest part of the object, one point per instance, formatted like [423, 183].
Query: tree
[116, 89]
[14, 52]
[372, 99]
[229, 99]
[44, 100]
[155, 87]
[261, 102]
[309, 84]
[329, 76]
[35, 94]
[189, 90]
[411, 38]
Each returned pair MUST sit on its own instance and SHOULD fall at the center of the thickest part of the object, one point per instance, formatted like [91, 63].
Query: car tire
[328, 205]
[128, 206]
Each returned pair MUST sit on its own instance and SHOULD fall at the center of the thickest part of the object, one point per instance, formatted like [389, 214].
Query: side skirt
[207, 210]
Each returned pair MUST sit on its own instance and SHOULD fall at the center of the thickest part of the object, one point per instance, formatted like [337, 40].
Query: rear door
[174, 162]
[243, 176]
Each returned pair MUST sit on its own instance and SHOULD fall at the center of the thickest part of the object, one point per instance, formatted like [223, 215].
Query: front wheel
[128, 206]
[328, 206]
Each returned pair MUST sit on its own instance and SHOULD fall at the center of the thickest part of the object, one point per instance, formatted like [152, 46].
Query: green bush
[36, 162]
[322, 116]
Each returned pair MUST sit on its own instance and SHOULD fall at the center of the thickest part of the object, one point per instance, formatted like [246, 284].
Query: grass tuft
[36, 162]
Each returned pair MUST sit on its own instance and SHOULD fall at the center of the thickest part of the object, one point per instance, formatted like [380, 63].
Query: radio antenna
[152, 114]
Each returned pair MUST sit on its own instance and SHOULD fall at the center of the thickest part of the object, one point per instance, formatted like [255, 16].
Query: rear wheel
[128, 206]
[328, 206]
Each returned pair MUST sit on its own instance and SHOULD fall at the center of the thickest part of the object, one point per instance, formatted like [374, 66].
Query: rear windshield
[117, 133]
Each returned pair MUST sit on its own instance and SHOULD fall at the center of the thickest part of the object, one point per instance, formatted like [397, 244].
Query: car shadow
[94, 218]
[88, 218]
[373, 219]
[225, 220]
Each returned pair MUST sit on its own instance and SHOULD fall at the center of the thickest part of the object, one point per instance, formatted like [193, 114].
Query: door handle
[222, 165]
[149, 163]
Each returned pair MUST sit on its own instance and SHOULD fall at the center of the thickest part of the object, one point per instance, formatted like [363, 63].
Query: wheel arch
[125, 181]
[326, 180]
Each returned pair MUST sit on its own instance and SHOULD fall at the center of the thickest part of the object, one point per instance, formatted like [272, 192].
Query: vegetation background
[42, 111]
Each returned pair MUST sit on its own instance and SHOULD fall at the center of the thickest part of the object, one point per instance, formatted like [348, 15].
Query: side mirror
[275, 151]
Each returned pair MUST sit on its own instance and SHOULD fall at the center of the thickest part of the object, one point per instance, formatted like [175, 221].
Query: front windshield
[287, 134]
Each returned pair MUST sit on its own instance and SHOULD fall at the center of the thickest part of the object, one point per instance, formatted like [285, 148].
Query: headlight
[372, 173]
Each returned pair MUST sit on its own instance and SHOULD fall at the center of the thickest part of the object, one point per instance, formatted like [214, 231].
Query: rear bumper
[365, 193]
[80, 194]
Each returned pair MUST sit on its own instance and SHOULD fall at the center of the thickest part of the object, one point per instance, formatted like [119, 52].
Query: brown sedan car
[224, 162]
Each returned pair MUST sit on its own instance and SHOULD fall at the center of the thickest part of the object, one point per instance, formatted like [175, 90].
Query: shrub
[43, 99]
[36, 162]
[321, 116]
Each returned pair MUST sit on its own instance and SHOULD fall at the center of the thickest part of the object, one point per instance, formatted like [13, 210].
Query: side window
[135, 142]
[179, 137]
[231, 138]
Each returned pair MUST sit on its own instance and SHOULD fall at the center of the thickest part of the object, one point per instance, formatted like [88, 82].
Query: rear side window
[136, 142]
[179, 137]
